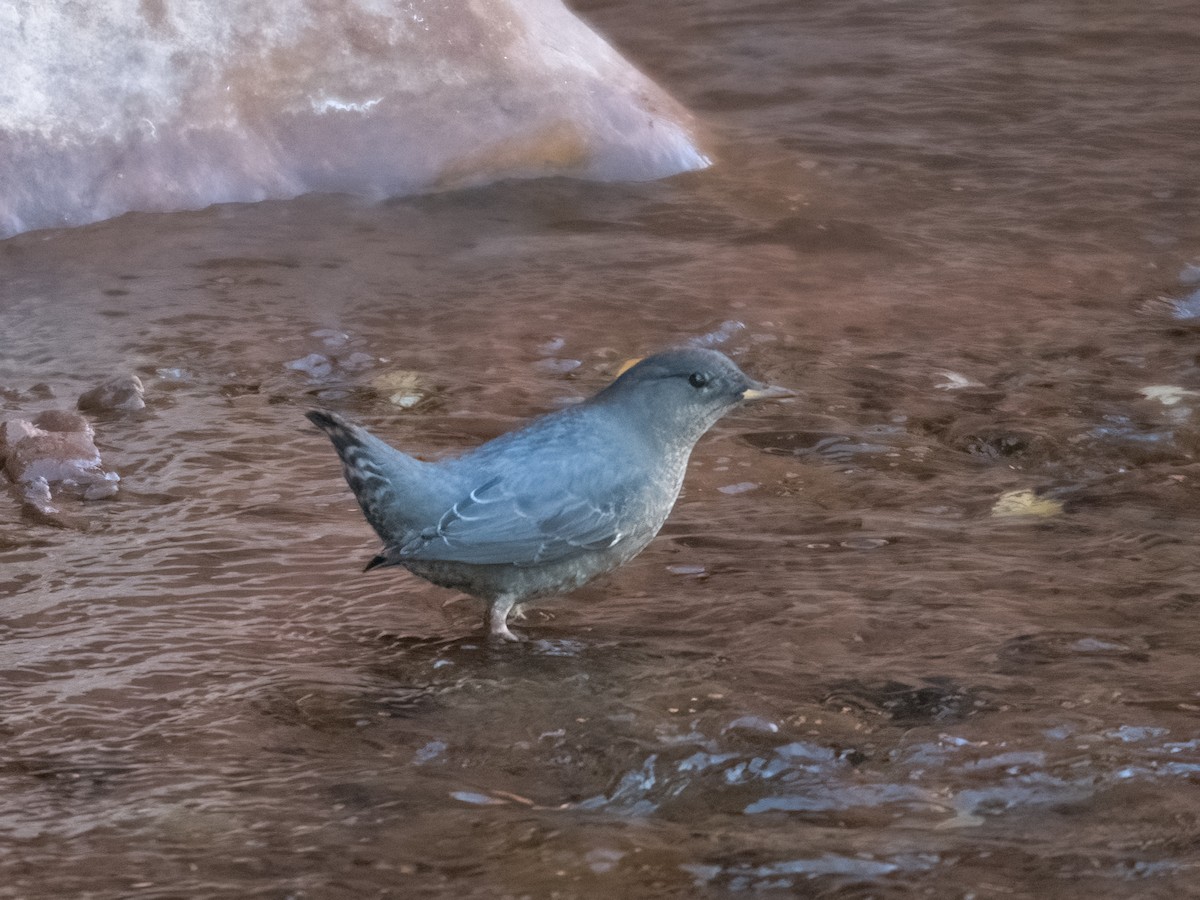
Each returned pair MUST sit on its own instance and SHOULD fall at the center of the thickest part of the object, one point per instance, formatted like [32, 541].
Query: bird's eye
[697, 379]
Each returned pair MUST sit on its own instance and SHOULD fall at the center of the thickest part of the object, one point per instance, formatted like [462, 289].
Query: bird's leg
[497, 618]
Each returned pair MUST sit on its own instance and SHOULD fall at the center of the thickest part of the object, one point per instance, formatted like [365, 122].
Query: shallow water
[963, 232]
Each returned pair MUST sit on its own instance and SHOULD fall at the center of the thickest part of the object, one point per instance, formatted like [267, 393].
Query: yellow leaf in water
[402, 388]
[627, 365]
[1025, 503]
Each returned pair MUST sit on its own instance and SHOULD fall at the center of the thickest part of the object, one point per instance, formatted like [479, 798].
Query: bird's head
[681, 393]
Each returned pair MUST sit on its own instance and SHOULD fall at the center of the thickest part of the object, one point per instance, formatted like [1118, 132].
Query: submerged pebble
[331, 337]
[751, 723]
[429, 752]
[316, 366]
[603, 859]
[722, 334]
[1187, 308]
[124, 392]
[740, 488]
[557, 366]
[476, 799]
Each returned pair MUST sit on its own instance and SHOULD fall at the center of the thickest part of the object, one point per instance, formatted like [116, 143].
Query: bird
[542, 510]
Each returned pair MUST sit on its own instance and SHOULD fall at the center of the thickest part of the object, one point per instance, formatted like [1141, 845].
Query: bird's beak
[759, 391]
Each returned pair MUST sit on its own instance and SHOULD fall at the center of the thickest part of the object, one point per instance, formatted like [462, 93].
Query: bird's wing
[518, 520]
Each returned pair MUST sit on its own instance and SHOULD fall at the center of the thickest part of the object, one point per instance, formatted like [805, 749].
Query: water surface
[966, 233]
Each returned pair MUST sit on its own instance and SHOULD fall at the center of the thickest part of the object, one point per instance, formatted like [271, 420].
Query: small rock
[37, 492]
[54, 452]
[63, 421]
[125, 392]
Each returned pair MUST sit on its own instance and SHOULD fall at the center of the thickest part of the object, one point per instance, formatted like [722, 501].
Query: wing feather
[512, 519]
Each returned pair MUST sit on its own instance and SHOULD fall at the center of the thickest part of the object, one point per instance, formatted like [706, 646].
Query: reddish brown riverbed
[962, 231]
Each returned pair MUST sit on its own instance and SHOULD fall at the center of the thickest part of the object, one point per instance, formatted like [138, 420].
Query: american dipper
[546, 508]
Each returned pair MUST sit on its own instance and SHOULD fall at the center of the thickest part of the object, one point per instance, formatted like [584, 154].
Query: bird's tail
[375, 471]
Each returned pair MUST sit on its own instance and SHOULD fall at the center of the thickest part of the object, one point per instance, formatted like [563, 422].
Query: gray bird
[546, 508]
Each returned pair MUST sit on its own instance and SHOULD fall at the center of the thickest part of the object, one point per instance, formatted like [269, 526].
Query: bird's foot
[503, 634]
[497, 620]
